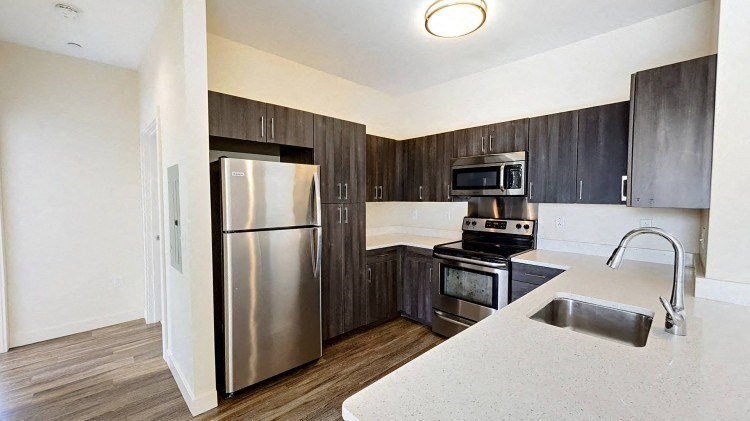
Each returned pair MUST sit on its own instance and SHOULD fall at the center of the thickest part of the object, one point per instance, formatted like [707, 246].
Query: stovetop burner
[491, 240]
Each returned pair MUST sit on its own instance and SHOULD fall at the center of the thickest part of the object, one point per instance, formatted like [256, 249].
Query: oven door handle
[474, 262]
[450, 319]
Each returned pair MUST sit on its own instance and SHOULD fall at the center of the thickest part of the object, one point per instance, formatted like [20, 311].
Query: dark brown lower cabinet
[416, 278]
[526, 278]
[343, 292]
[381, 284]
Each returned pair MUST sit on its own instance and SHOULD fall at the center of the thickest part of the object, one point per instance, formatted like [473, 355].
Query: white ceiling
[109, 31]
[382, 43]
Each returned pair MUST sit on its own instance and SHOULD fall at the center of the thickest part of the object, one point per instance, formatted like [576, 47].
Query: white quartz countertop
[511, 367]
[390, 240]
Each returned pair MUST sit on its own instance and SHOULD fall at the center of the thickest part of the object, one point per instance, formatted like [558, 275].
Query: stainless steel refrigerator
[267, 245]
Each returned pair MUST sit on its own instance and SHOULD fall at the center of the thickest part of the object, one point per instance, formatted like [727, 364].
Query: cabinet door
[352, 164]
[390, 180]
[602, 153]
[237, 118]
[327, 142]
[441, 172]
[352, 247]
[553, 152]
[470, 142]
[332, 287]
[417, 291]
[287, 126]
[382, 276]
[413, 164]
[373, 151]
[671, 135]
[510, 136]
[429, 181]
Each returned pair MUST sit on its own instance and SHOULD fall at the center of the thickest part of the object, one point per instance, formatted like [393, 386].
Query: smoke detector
[67, 11]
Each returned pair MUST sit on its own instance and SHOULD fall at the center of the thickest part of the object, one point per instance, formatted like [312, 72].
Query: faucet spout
[675, 308]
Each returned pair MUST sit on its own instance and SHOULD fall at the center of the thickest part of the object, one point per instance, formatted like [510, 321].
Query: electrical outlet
[559, 222]
[448, 216]
[647, 223]
[414, 214]
[117, 282]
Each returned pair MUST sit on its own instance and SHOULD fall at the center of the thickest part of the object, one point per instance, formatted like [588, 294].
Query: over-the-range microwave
[489, 175]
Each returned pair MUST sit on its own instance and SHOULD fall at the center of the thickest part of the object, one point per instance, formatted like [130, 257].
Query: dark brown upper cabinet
[602, 153]
[671, 135]
[426, 168]
[553, 152]
[236, 118]
[509, 136]
[383, 170]
[340, 152]
[287, 126]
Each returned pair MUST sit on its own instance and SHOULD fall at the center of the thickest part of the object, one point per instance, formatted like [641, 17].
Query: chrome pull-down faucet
[675, 307]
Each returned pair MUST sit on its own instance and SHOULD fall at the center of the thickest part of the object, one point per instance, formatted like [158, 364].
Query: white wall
[240, 70]
[174, 81]
[591, 72]
[729, 231]
[71, 201]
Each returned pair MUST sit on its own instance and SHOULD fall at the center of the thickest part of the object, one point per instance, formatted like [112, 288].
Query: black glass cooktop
[482, 250]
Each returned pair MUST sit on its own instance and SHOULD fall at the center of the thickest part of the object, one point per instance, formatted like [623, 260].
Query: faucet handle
[675, 322]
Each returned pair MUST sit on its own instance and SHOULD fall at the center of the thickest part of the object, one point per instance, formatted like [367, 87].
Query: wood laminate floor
[118, 373]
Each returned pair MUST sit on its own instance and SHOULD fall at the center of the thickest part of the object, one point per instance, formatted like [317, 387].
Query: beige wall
[238, 69]
[71, 199]
[174, 82]
[729, 233]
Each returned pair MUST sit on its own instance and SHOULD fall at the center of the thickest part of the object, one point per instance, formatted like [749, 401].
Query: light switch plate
[647, 223]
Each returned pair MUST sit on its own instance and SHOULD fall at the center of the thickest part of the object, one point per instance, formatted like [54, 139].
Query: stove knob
[468, 223]
[473, 223]
[526, 226]
[518, 226]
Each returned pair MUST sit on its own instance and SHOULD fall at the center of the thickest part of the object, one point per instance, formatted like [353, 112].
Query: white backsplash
[586, 229]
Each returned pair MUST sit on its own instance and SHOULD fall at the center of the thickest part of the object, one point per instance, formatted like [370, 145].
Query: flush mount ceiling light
[455, 18]
[67, 11]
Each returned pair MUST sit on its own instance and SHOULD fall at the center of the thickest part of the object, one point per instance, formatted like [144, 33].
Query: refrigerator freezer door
[271, 303]
[263, 195]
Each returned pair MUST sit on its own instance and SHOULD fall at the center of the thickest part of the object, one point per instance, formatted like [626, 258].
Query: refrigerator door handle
[316, 199]
[317, 250]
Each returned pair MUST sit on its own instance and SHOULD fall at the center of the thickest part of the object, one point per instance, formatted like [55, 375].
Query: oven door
[468, 289]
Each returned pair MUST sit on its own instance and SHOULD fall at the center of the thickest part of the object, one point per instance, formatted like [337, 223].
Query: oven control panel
[505, 226]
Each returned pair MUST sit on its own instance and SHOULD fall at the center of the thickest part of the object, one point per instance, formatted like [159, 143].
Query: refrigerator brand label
[238, 174]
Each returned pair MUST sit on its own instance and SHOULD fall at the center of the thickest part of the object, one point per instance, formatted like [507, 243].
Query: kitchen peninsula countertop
[511, 367]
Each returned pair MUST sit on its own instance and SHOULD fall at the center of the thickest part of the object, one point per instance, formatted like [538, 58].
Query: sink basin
[626, 324]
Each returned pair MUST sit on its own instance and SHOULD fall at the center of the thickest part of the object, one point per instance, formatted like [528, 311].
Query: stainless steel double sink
[621, 323]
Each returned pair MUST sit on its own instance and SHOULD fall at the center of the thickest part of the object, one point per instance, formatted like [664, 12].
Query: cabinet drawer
[533, 274]
[519, 289]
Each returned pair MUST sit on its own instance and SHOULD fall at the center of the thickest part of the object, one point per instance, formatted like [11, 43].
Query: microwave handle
[502, 177]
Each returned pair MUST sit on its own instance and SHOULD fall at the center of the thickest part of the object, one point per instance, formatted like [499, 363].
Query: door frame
[4, 344]
[155, 286]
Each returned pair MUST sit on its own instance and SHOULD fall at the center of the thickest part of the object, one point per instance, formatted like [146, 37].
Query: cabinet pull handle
[339, 216]
[624, 188]
[430, 274]
[376, 193]
[420, 192]
[369, 274]
[381, 192]
[262, 126]
[448, 189]
[580, 190]
[273, 129]
[531, 189]
[482, 144]
[346, 215]
[490, 143]
[339, 184]
[346, 190]
[535, 275]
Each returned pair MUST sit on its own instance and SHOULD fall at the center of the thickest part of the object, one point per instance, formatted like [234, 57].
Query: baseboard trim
[196, 405]
[724, 291]
[39, 335]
